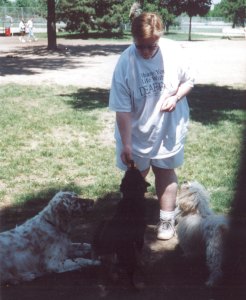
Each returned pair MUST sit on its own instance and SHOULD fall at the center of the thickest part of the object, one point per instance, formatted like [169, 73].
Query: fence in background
[201, 24]
[10, 18]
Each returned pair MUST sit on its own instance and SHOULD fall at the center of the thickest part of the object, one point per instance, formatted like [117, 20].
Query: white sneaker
[165, 229]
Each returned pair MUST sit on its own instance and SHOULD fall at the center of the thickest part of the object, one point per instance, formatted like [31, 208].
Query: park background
[57, 133]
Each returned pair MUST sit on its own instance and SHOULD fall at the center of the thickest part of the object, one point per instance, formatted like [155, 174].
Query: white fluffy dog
[200, 231]
[41, 245]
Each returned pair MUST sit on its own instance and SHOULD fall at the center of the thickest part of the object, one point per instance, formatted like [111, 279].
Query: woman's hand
[126, 154]
[169, 104]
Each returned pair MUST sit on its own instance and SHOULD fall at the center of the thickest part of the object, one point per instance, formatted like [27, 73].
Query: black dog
[123, 235]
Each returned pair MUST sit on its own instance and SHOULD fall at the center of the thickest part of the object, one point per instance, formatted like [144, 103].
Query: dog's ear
[61, 217]
[133, 181]
[188, 206]
[63, 210]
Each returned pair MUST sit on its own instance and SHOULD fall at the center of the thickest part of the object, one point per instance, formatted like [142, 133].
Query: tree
[5, 3]
[38, 7]
[108, 14]
[78, 15]
[190, 7]
[51, 24]
[232, 10]
[26, 3]
[193, 8]
[157, 6]
[125, 9]
[83, 15]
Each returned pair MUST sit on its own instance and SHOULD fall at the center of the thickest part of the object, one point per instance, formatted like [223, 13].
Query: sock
[167, 215]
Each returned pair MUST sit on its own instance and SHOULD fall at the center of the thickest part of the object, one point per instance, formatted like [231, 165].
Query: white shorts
[143, 163]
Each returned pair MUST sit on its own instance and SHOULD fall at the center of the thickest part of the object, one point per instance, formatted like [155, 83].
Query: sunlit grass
[46, 143]
[57, 137]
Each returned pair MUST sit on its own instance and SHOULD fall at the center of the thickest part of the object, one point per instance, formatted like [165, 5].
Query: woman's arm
[123, 120]
[170, 102]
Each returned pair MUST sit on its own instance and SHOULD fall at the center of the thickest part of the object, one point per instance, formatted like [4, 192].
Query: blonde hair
[147, 25]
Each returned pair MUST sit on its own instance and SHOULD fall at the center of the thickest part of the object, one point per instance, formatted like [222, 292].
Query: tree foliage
[233, 10]
[39, 7]
[190, 7]
[5, 3]
[193, 7]
[82, 15]
[163, 9]
[77, 14]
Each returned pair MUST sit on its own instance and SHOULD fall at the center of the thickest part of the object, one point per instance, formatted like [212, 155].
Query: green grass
[126, 36]
[183, 36]
[51, 140]
[57, 137]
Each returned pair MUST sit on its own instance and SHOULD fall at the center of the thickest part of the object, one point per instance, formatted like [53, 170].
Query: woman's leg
[166, 184]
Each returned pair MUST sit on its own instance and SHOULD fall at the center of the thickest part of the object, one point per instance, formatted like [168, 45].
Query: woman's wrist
[178, 97]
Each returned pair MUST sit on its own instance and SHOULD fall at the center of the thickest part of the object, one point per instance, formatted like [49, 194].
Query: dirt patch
[80, 63]
[91, 63]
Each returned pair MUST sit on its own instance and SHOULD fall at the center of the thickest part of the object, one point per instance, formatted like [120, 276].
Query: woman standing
[148, 94]
[22, 29]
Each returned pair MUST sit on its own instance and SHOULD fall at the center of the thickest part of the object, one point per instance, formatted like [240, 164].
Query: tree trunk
[51, 25]
[190, 29]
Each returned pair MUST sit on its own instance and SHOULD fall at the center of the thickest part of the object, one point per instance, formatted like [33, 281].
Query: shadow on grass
[88, 99]
[28, 205]
[210, 104]
[21, 61]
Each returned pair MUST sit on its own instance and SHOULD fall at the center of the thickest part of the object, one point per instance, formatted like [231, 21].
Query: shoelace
[166, 224]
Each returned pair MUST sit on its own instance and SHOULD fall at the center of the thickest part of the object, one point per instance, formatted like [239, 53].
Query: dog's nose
[186, 183]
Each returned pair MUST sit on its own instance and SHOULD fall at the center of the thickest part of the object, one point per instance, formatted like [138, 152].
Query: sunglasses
[147, 47]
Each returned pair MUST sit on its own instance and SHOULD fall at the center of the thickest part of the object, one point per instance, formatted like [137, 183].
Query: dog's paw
[86, 248]
[96, 262]
[28, 276]
[103, 292]
[138, 281]
[114, 276]
[214, 279]
[209, 283]
[79, 250]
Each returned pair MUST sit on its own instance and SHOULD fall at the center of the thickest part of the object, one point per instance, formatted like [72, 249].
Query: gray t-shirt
[139, 86]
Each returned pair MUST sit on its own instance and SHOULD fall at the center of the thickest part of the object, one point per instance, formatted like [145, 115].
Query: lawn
[58, 137]
[174, 35]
